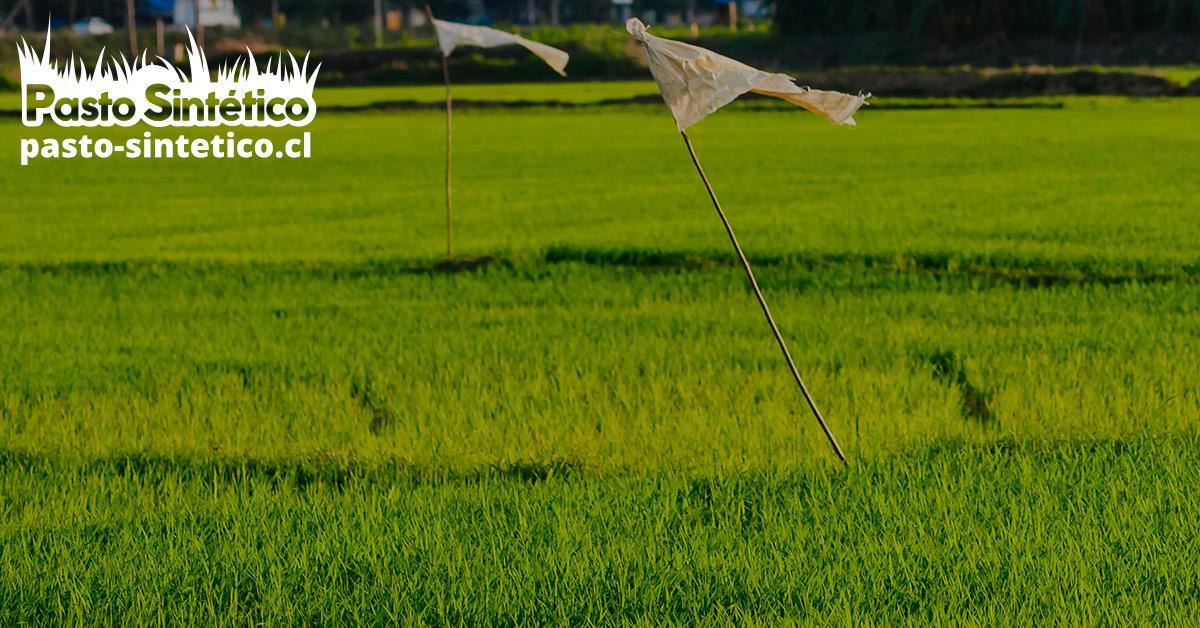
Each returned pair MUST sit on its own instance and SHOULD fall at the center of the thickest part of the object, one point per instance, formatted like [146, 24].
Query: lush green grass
[1178, 74]
[572, 92]
[1100, 183]
[567, 91]
[553, 92]
[1078, 534]
[375, 365]
[564, 91]
[238, 392]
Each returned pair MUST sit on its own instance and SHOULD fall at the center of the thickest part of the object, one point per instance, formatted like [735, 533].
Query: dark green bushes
[964, 21]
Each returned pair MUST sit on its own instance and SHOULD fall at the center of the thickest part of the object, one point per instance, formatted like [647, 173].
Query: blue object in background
[156, 7]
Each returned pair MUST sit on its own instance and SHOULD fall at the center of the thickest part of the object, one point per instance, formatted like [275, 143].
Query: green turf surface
[242, 391]
[567, 91]
[1178, 74]
[1090, 533]
[376, 365]
[563, 91]
[572, 92]
[1101, 183]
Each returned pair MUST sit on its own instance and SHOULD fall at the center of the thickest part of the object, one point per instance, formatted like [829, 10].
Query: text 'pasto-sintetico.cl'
[118, 94]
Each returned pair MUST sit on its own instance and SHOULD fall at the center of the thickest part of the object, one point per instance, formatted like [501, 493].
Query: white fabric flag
[696, 82]
[452, 34]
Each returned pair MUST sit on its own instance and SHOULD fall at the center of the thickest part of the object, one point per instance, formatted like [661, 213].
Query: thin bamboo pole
[379, 23]
[449, 143]
[199, 30]
[762, 302]
[131, 26]
[159, 37]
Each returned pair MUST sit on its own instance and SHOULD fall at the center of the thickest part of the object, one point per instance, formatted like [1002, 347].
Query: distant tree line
[346, 11]
[944, 21]
[500, 11]
[961, 21]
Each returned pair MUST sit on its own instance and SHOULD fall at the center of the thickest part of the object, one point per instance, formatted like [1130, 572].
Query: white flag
[451, 34]
[696, 82]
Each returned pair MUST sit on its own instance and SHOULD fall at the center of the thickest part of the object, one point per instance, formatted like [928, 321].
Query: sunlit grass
[1103, 182]
[243, 392]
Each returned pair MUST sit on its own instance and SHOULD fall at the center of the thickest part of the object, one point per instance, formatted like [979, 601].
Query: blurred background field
[1098, 185]
[254, 391]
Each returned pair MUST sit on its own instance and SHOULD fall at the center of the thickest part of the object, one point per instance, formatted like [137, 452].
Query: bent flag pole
[696, 82]
[451, 35]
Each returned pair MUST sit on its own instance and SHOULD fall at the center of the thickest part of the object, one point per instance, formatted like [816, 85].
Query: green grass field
[244, 391]
[573, 92]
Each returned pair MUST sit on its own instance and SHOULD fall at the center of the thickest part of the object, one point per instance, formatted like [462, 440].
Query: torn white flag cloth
[696, 82]
[452, 34]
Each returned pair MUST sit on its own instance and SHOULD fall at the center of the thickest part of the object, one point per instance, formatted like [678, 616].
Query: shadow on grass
[329, 472]
[974, 402]
[300, 472]
[984, 270]
[749, 102]
[1032, 273]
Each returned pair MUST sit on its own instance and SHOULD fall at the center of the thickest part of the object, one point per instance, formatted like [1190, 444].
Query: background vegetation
[962, 21]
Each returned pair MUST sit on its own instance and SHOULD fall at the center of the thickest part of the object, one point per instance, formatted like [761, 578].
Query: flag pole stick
[762, 302]
[449, 134]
